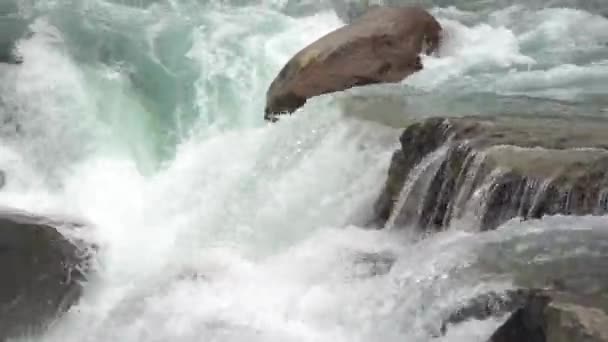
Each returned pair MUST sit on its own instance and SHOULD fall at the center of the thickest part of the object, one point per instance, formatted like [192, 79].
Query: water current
[145, 119]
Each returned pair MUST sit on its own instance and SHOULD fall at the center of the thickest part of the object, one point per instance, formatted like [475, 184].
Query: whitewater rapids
[145, 118]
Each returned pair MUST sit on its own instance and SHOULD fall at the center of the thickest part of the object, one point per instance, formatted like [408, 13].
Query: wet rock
[8, 56]
[381, 46]
[538, 315]
[13, 27]
[549, 316]
[417, 141]
[42, 272]
[486, 171]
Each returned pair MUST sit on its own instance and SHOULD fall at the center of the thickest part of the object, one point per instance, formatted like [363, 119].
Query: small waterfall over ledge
[486, 171]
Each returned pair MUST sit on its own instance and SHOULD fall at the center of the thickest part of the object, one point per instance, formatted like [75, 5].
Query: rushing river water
[145, 118]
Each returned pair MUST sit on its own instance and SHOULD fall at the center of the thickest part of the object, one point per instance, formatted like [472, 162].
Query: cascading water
[145, 119]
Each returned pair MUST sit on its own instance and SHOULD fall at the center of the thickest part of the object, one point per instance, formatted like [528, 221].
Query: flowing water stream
[145, 118]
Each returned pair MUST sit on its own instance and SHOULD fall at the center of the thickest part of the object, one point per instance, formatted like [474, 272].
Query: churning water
[144, 118]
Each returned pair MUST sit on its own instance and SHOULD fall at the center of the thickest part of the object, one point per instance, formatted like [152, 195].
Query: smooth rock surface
[381, 46]
[42, 272]
[488, 170]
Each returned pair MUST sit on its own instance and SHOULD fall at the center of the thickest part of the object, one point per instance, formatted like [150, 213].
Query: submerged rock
[549, 316]
[487, 305]
[486, 171]
[9, 53]
[43, 272]
[379, 47]
[539, 315]
[551, 260]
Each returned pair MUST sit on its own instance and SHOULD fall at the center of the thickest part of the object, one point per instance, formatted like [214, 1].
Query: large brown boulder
[381, 46]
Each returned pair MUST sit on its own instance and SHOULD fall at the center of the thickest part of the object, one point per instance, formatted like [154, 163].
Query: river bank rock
[43, 272]
[485, 171]
[549, 316]
[381, 46]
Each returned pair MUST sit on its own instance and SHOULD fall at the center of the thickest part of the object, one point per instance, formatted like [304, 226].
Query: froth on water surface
[340, 284]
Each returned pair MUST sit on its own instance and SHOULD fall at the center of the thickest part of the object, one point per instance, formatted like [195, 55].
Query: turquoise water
[145, 118]
[156, 72]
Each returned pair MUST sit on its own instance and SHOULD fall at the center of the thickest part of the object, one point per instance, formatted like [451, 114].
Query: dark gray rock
[42, 272]
[490, 170]
[12, 28]
[525, 324]
[549, 316]
[382, 46]
[8, 56]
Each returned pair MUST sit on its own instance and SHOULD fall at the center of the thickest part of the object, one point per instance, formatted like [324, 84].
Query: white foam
[548, 53]
[562, 30]
[467, 50]
[565, 82]
[232, 87]
[50, 101]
